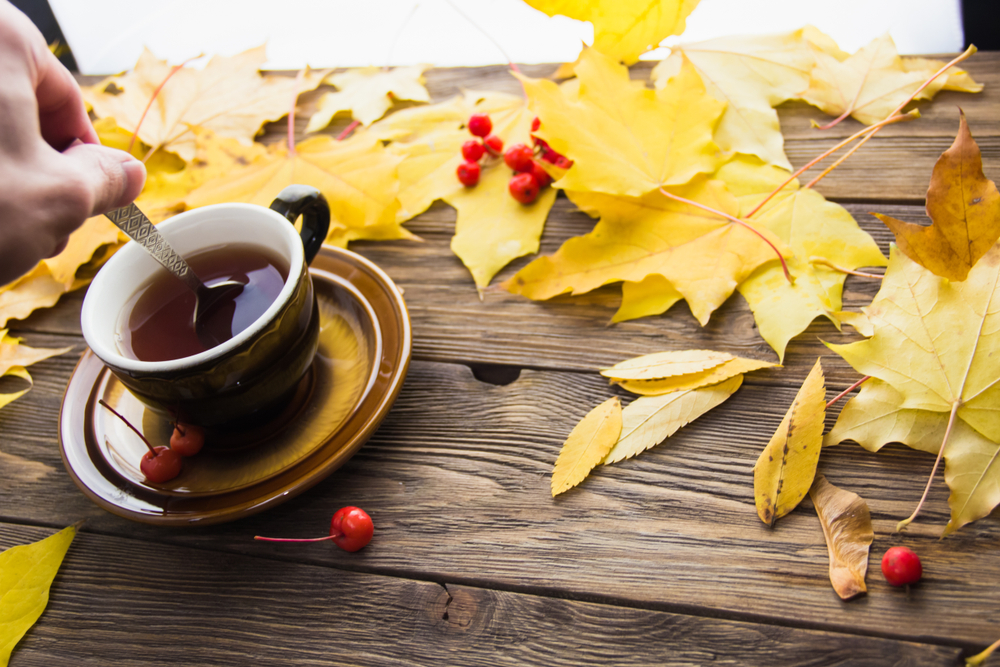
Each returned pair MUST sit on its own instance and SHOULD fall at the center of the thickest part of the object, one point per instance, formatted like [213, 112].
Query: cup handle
[310, 203]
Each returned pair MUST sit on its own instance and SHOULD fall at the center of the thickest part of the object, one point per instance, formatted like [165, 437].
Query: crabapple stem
[847, 391]
[129, 424]
[293, 539]
[951, 421]
[709, 209]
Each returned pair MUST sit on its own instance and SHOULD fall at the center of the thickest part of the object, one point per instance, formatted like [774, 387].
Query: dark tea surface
[158, 322]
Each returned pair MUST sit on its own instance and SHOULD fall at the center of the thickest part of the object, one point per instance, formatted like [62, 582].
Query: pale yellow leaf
[723, 371]
[786, 468]
[37, 289]
[5, 399]
[650, 420]
[666, 364]
[587, 445]
[847, 527]
[368, 93]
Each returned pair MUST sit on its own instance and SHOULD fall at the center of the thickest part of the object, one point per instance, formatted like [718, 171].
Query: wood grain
[219, 609]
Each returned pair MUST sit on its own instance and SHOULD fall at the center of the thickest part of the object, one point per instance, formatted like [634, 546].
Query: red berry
[563, 162]
[535, 124]
[524, 188]
[350, 529]
[472, 150]
[480, 124]
[187, 439]
[494, 144]
[541, 143]
[354, 526]
[901, 567]
[549, 155]
[468, 173]
[540, 174]
[518, 157]
[160, 465]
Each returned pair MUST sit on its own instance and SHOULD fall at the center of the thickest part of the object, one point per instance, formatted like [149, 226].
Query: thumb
[112, 177]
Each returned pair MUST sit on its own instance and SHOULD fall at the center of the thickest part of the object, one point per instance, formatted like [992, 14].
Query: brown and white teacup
[255, 371]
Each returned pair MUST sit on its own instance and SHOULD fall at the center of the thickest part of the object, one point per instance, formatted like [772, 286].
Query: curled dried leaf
[847, 527]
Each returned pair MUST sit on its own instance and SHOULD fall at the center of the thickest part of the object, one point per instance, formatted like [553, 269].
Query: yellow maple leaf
[587, 445]
[704, 257]
[357, 176]
[786, 467]
[812, 228]
[26, 574]
[956, 79]
[15, 358]
[964, 207]
[648, 421]
[229, 96]
[752, 74]
[368, 93]
[868, 85]
[623, 138]
[875, 417]
[624, 29]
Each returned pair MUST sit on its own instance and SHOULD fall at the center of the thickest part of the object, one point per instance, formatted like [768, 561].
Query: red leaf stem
[347, 130]
[951, 422]
[847, 391]
[173, 70]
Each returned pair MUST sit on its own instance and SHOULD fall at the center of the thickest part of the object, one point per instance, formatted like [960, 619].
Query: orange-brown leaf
[964, 207]
[847, 527]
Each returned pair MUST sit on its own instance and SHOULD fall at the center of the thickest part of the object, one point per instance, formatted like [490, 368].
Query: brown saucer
[363, 356]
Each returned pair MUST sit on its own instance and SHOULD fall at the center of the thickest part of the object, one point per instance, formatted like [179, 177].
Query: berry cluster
[161, 464]
[529, 175]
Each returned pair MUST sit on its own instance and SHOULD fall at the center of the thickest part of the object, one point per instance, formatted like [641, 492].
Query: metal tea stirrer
[137, 226]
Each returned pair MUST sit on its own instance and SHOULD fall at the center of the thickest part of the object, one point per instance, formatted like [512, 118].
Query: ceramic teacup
[254, 372]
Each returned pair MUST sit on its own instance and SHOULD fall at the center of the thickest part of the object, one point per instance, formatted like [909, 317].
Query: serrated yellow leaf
[5, 399]
[847, 527]
[367, 93]
[14, 358]
[229, 96]
[875, 417]
[955, 78]
[786, 468]
[357, 176]
[624, 29]
[666, 364]
[650, 420]
[811, 227]
[723, 371]
[964, 207]
[704, 257]
[587, 445]
[26, 574]
[623, 138]
[752, 74]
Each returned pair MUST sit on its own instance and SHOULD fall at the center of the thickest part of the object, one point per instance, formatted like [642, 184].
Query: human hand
[54, 174]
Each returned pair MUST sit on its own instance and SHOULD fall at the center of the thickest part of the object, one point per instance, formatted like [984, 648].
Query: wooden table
[660, 559]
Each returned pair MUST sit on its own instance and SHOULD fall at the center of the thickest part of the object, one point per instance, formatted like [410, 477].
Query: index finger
[61, 112]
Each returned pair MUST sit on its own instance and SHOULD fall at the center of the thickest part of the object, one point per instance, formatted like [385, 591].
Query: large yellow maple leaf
[229, 96]
[623, 138]
[752, 74]
[624, 29]
[357, 176]
[935, 341]
[703, 256]
[872, 82]
[368, 93]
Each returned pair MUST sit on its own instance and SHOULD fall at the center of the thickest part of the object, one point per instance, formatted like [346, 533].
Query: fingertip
[135, 179]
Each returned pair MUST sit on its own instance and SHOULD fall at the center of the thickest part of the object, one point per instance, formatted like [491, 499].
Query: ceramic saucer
[364, 352]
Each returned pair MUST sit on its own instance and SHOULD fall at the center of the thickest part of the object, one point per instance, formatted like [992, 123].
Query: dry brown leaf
[587, 445]
[964, 207]
[847, 527]
[786, 468]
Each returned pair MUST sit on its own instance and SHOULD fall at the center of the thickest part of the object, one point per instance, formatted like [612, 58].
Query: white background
[107, 36]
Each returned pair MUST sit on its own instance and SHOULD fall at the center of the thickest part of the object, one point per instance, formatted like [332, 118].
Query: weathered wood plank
[123, 602]
[457, 480]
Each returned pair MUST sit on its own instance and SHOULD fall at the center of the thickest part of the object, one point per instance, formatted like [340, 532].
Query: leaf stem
[347, 130]
[709, 209]
[968, 52]
[951, 421]
[291, 111]
[860, 274]
[809, 165]
[847, 391]
[127, 423]
[980, 658]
